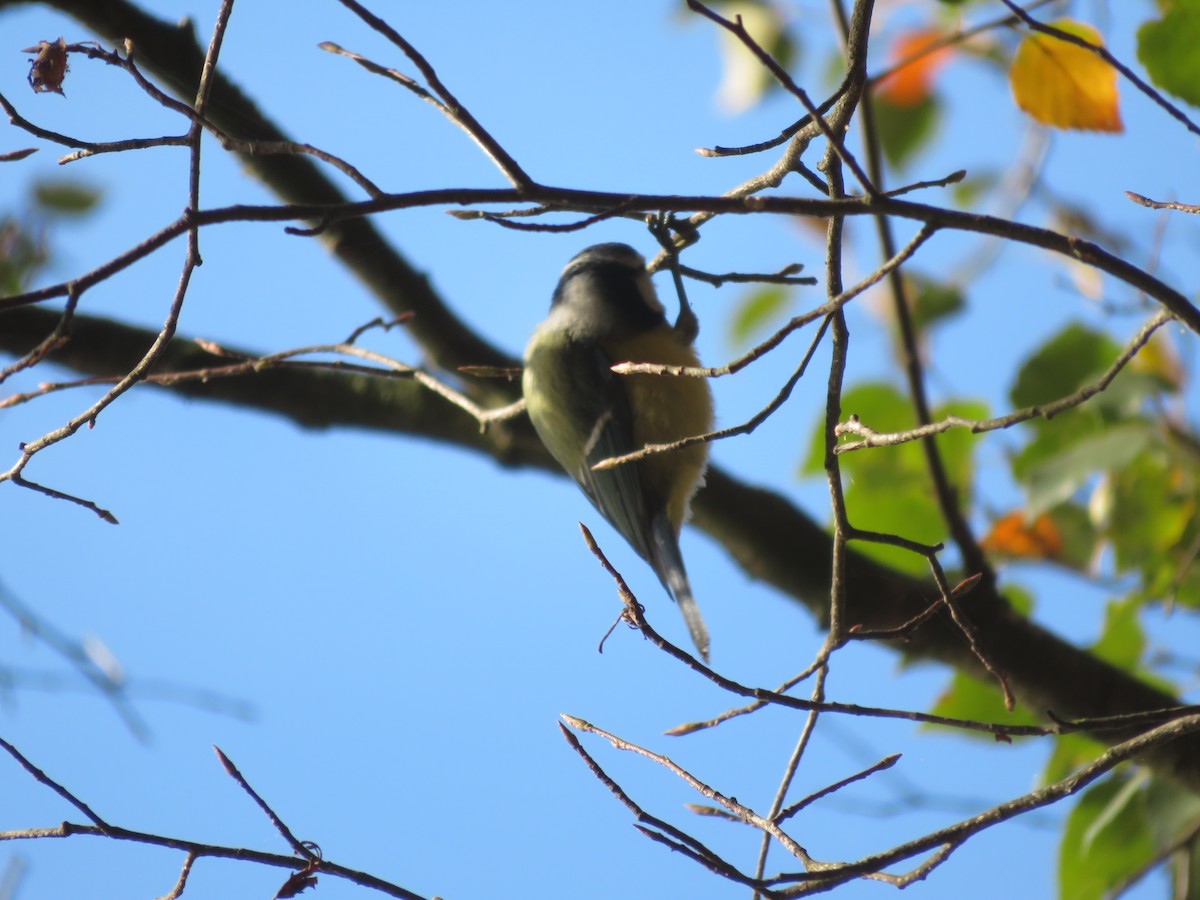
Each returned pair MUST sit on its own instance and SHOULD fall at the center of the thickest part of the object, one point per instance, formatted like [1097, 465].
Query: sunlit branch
[449, 104]
[1163, 204]
[868, 437]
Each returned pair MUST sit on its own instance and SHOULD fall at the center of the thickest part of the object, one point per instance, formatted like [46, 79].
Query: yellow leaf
[1159, 359]
[1064, 85]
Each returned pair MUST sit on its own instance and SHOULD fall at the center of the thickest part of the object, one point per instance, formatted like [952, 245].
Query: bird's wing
[616, 492]
[599, 409]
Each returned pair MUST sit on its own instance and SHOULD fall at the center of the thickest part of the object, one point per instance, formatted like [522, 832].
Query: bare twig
[636, 616]
[792, 809]
[821, 876]
[55, 339]
[450, 105]
[45, 779]
[786, 275]
[300, 848]
[1163, 204]
[565, 199]
[666, 833]
[730, 804]
[772, 65]
[181, 883]
[868, 437]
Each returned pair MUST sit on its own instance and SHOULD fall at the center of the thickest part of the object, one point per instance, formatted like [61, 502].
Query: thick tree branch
[171, 54]
[766, 535]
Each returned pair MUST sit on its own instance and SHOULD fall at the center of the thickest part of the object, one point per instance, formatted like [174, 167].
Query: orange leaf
[1064, 85]
[917, 62]
[1015, 536]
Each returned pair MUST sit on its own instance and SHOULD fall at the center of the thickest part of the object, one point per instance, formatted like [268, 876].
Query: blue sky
[408, 621]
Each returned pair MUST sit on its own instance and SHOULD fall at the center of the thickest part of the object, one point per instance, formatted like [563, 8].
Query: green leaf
[903, 130]
[1153, 506]
[957, 446]
[888, 488]
[968, 193]
[933, 301]
[1122, 640]
[1119, 827]
[21, 255]
[878, 404]
[1106, 837]
[1167, 48]
[1172, 812]
[1079, 536]
[1057, 478]
[65, 197]
[966, 697]
[1071, 751]
[1020, 599]
[1068, 361]
[756, 311]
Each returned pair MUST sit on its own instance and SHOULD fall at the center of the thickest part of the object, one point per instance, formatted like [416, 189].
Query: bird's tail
[668, 564]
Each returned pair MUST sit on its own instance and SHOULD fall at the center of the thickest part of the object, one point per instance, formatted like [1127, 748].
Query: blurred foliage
[24, 249]
[65, 197]
[755, 312]
[744, 80]
[1167, 49]
[22, 253]
[904, 130]
[1111, 487]
[1112, 493]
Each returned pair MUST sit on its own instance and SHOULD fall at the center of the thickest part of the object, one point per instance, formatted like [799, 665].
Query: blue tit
[605, 311]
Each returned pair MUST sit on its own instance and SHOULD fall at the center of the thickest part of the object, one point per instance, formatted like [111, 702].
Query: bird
[604, 311]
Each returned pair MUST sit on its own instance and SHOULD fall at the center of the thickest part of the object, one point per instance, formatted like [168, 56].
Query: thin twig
[868, 437]
[730, 804]
[186, 869]
[675, 838]
[952, 39]
[1162, 204]
[53, 341]
[301, 848]
[792, 809]
[636, 616]
[738, 30]
[823, 312]
[786, 275]
[45, 779]
[742, 200]
[457, 113]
